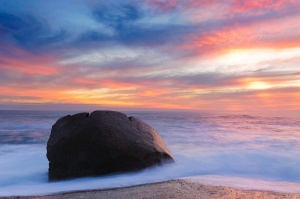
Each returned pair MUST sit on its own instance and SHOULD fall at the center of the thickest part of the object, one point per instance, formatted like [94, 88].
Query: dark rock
[101, 143]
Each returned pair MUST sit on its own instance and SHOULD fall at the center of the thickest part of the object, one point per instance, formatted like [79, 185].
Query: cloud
[132, 25]
[117, 16]
[28, 32]
[173, 54]
[243, 6]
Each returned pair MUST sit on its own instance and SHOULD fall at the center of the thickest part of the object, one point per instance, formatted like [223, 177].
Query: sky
[151, 54]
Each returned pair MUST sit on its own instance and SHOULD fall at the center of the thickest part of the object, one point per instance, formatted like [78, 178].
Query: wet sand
[170, 189]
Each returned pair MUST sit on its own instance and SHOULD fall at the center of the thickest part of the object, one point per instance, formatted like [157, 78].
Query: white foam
[23, 171]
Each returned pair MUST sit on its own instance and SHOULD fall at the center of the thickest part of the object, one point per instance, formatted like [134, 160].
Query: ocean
[254, 151]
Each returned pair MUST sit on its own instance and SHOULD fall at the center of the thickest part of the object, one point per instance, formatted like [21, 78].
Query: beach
[169, 189]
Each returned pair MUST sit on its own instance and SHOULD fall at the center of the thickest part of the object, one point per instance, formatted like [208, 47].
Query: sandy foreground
[169, 189]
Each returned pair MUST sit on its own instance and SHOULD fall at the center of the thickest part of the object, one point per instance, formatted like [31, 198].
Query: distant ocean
[245, 151]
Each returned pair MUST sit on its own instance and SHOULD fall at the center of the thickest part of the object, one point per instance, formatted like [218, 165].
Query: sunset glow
[193, 55]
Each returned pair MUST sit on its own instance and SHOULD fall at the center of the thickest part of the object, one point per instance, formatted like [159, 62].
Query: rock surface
[101, 143]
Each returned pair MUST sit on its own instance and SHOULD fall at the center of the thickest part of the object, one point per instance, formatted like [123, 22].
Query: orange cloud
[164, 98]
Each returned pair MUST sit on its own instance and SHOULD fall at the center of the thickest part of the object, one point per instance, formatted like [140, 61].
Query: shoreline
[178, 188]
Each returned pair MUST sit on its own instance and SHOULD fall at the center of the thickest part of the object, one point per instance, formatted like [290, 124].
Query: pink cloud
[242, 6]
[23, 62]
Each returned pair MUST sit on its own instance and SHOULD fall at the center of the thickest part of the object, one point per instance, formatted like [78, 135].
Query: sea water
[252, 151]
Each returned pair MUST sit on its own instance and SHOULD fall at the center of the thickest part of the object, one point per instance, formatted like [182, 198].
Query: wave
[23, 171]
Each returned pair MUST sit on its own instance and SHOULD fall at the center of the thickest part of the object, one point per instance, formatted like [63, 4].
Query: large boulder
[101, 143]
